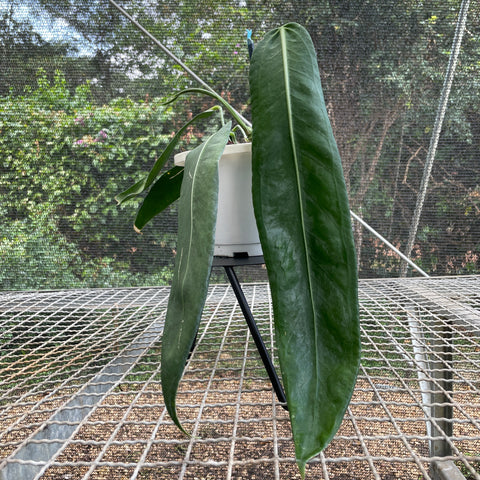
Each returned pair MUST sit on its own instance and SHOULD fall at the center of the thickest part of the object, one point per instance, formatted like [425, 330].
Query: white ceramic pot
[236, 230]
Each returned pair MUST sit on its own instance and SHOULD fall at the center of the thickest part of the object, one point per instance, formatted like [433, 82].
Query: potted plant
[236, 233]
[302, 214]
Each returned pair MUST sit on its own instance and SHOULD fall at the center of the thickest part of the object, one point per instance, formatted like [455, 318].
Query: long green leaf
[221, 100]
[163, 193]
[197, 213]
[302, 212]
[132, 192]
[146, 182]
[172, 144]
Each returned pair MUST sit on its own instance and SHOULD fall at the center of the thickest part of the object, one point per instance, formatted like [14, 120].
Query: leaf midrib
[297, 173]
[190, 240]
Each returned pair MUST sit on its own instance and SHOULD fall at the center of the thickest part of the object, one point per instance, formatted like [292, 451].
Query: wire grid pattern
[80, 393]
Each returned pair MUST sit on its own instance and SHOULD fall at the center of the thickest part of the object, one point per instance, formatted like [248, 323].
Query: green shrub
[63, 159]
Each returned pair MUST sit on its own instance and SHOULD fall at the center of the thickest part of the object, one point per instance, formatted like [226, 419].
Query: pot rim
[230, 149]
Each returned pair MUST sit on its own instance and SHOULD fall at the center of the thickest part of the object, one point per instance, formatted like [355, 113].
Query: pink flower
[102, 136]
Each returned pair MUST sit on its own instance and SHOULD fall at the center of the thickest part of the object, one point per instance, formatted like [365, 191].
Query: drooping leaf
[173, 143]
[302, 212]
[131, 192]
[163, 193]
[219, 99]
[197, 213]
[146, 182]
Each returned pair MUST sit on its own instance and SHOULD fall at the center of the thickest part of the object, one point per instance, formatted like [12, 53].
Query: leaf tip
[301, 467]
[180, 427]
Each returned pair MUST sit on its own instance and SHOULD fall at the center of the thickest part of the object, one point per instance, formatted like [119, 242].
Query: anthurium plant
[302, 214]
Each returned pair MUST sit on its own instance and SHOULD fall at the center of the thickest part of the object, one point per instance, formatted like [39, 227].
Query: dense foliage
[382, 65]
[63, 161]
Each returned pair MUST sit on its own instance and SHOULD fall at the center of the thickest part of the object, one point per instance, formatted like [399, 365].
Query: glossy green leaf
[197, 213]
[163, 193]
[173, 143]
[302, 212]
[131, 192]
[219, 99]
[146, 182]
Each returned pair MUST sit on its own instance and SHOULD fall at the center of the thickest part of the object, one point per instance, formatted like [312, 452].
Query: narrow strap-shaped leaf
[163, 193]
[146, 182]
[220, 99]
[197, 213]
[132, 192]
[172, 144]
[302, 213]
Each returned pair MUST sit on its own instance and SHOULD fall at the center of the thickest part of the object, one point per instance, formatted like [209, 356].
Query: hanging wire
[442, 107]
[389, 245]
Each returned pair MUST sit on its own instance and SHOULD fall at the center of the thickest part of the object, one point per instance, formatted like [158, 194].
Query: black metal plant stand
[228, 263]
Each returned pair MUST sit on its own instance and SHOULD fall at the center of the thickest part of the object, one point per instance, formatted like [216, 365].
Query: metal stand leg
[442, 389]
[267, 362]
[442, 410]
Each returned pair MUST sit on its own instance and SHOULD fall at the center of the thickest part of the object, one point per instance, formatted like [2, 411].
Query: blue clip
[249, 42]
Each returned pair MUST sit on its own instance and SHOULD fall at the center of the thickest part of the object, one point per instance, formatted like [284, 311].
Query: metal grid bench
[80, 394]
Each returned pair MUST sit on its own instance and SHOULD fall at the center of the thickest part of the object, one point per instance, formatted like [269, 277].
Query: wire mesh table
[80, 394]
